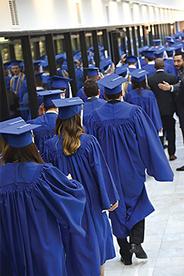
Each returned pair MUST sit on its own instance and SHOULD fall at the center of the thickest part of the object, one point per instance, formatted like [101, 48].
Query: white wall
[62, 14]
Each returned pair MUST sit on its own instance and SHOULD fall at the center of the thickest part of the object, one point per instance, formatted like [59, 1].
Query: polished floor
[164, 239]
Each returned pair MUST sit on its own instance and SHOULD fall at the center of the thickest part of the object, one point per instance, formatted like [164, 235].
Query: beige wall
[62, 14]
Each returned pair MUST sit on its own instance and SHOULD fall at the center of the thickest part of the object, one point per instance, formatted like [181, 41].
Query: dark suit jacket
[165, 99]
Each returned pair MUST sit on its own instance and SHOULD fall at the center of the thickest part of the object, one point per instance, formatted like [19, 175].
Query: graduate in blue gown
[150, 58]
[79, 74]
[93, 102]
[169, 61]
[47, 121]
[141, 58]
[80, 155]
[140, 95]
[132, 63]
[62, 83]
[93, 74]
[131, 145]
[37, 202]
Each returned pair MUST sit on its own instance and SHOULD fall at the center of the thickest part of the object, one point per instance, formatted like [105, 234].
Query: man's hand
[114, 206]
[165, 86]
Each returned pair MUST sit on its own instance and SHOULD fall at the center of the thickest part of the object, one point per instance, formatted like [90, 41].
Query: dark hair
[70, 130]
[113, 96]
[94, 78]
[91, 88]
[170, 54]
[179, 54]
[46, 108]
[159, 63]
[138, 85]
[150, 58]
[26, 154]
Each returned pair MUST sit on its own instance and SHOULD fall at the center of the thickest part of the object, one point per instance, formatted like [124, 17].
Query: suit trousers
[168, 123]
[136, 236]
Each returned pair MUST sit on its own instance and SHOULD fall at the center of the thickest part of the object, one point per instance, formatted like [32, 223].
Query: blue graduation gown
[7, 82]
[24, 107]
[146, 99]
[81, 94]
[169, 67]
[88, 166]
[131, 145]
[46, 131]
[79, 77]
[36, 200]
[142, 62]
[90, 105]
[150, 68]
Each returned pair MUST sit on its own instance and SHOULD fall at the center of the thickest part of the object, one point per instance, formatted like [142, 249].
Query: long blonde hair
[70, 130]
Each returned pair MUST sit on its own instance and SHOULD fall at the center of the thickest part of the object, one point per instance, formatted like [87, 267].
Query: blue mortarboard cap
[169, 39]
[16, 63]
[112, 83]
[156, 42]
[159, 53]
[16, 132]
[131, 59]
[92, 71]
[61, 56]
[141, 50]
[149, 53]
[40, 62]
[68, 107]
[58, 82]
[178, 48]
[170, 49]
[105, 63]
[121, 70]
[138, 75]
[77, 56]
[49, 95]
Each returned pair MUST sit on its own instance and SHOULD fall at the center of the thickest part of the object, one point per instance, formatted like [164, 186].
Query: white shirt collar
[160, 70]
[151, 62]
[93, 97]
[52, 111]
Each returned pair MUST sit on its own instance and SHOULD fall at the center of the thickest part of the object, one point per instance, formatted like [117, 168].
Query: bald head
[159, 63]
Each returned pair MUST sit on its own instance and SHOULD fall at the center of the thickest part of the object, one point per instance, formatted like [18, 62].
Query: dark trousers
[168, 123]
[136, 236]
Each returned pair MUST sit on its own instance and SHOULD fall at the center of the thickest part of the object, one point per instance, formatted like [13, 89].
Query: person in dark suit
[166, 104]
[178, 91]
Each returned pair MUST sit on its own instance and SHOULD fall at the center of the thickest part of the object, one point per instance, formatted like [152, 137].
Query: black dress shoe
[138, 250]
[181, 169]
[127, 260]
[172, 157]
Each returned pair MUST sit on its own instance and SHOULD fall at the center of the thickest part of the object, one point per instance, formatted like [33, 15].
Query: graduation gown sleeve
[63, 197]
[108, 191]
[151, 150]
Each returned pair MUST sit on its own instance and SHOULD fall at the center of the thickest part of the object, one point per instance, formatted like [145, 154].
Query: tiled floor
[164, 239]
